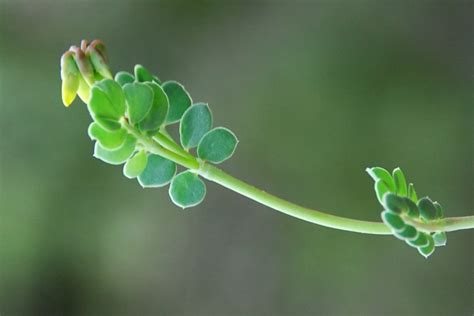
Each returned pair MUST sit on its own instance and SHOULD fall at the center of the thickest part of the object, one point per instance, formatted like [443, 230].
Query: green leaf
[102, 111]
[378, 173]
[440, 239]
[187, 190]
[217, 145]
[115, 94]
[142, 74]
[380, 188]
[439, 210]
[135, 165]
[427, 209]
[156, 80]
[139, 98]
[108, 124]
[123, 77]
[107, 139]
[412, 193]
[158, 111]
[408, 232]
[196, 121]
[400, 182]
[413, 210]
[158, 172]
[395, 203]
[427, 250]
[420, 241]
[179, 100]
[393, 221]
[117, 156]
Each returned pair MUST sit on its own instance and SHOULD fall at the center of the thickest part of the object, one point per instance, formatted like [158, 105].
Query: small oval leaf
[420, 241]
[427, 250]
[196, 121]
[408, 232]
[158, 172]
[158, 111]
[440, 239]
[395, 203]
[412, 193]
[139, 98]
[187, 190]
[135, 165]
[378, 173]
[380, 190]
[179, 100]
[427, 209]
[439, 210]
[115, 94]
[108, 139]
[393, 221]
[156, 80]
[123, 77]
[142, 74]
[413, 210]
[102, 111]
[400, 182]
[108, 124]
[117, 156]
[217, 145]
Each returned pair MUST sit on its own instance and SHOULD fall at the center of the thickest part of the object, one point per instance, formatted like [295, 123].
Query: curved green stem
[317, 217]
[313, 216]
[152, 146]
[170, 144]
[162, 146]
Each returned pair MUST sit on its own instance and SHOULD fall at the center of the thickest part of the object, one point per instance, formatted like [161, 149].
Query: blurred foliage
[315, 91]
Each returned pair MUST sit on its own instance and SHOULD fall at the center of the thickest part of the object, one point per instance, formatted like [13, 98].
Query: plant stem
[324, 219]
[152, 146]
[448, 224]
[313, 216]
[170, 144]
[168, 149]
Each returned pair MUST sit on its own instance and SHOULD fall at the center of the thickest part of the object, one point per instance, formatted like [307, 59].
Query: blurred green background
[315, 91]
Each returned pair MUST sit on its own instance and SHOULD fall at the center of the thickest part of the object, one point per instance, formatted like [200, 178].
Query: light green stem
[448, 224]
[313, 216]
[162, 146]
[170, 144]
[152, 146]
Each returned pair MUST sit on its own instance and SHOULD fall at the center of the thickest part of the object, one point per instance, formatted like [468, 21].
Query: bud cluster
[403, 210]
[81, 67]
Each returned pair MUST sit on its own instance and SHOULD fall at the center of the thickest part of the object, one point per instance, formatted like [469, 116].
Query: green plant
[130, 115]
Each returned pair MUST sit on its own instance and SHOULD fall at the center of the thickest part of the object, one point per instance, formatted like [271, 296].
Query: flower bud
[96, 54]
[84, 65]
[84, 44]
[84, 90]
[100, 47]
[81, 68]
[70, 78]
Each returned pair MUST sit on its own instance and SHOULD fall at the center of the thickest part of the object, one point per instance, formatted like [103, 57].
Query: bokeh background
[315, 91]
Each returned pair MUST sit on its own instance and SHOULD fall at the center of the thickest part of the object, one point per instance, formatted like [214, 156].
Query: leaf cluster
[403, 210]
[144, 104]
